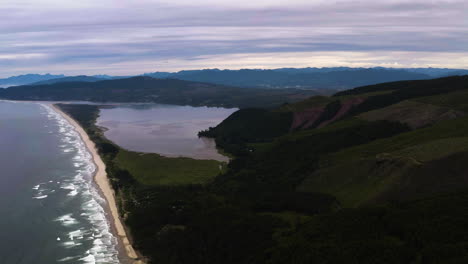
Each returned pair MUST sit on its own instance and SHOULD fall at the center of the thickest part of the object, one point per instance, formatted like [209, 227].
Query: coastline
[101, 180]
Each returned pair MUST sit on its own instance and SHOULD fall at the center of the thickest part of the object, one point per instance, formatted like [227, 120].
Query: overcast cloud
[124, 37]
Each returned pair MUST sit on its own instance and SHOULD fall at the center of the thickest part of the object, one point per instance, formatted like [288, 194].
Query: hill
[26, 79]
[425, 121]
[147, 89]
[81, 78]
[393, 156]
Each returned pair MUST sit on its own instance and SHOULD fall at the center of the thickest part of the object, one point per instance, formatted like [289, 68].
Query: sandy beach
[105, 188]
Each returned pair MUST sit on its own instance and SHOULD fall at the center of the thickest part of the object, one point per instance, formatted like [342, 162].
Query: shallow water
[169, 130]
[50, 210]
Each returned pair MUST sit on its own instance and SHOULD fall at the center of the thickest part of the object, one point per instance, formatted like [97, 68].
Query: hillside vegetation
[394, 160]
[377, 174]
[150, 90]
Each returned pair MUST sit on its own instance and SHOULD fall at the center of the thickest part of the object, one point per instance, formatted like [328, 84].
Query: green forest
[375, 174]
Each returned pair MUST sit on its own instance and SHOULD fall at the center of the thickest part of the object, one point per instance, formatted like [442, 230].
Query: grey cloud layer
[114, 34]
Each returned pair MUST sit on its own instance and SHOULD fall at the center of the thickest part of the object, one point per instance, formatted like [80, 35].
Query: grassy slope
[404, 90]
[359, 174]
[319, 101]
[315, 101]
[413, 113]
[154, 169]
[367, 172]
[457, 100]
[147, 169]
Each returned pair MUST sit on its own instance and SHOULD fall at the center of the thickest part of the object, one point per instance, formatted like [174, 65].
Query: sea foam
[99, 241]
[67, 220]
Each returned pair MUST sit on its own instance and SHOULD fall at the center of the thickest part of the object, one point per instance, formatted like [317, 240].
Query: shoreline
[102, 182]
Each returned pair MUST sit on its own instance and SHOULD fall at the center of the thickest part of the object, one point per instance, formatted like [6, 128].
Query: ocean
[50, 208]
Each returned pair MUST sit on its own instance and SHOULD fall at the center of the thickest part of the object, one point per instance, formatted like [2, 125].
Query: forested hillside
[374, 175]
[393, 156]
[150, 90]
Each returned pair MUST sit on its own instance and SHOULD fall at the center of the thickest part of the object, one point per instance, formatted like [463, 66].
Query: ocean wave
[77, 234]
[68, 186]
[71, 244]
[72, 193]
[67, 220]
[90, 258]
[92, 231]
[68, 259]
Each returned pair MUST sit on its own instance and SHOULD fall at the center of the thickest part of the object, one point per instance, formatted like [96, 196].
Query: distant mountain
[316, 70]
[307, 78]
[147, 89]
[438, 72]
[432, 72]
[106, 77]
[162, 75]
[109, 77]
[81, 78]
[27, 79]
[456, 73]
[38, 79]
[324, 80]
[337, 78]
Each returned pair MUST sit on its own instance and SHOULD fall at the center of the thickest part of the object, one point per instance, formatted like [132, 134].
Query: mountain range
[81, 78]
[339, 78]
[323, 80]
[40, 79]
[27, 79]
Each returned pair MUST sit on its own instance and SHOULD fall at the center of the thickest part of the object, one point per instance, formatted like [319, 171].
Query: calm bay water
[169, 130]
[50, 211]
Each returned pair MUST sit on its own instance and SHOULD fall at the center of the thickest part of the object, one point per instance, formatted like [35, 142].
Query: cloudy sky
[124, 37]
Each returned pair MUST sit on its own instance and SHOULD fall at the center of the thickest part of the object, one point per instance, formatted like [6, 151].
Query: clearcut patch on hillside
[414, 114]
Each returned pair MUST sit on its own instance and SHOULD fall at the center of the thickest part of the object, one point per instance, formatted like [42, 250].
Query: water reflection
[169, 130]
